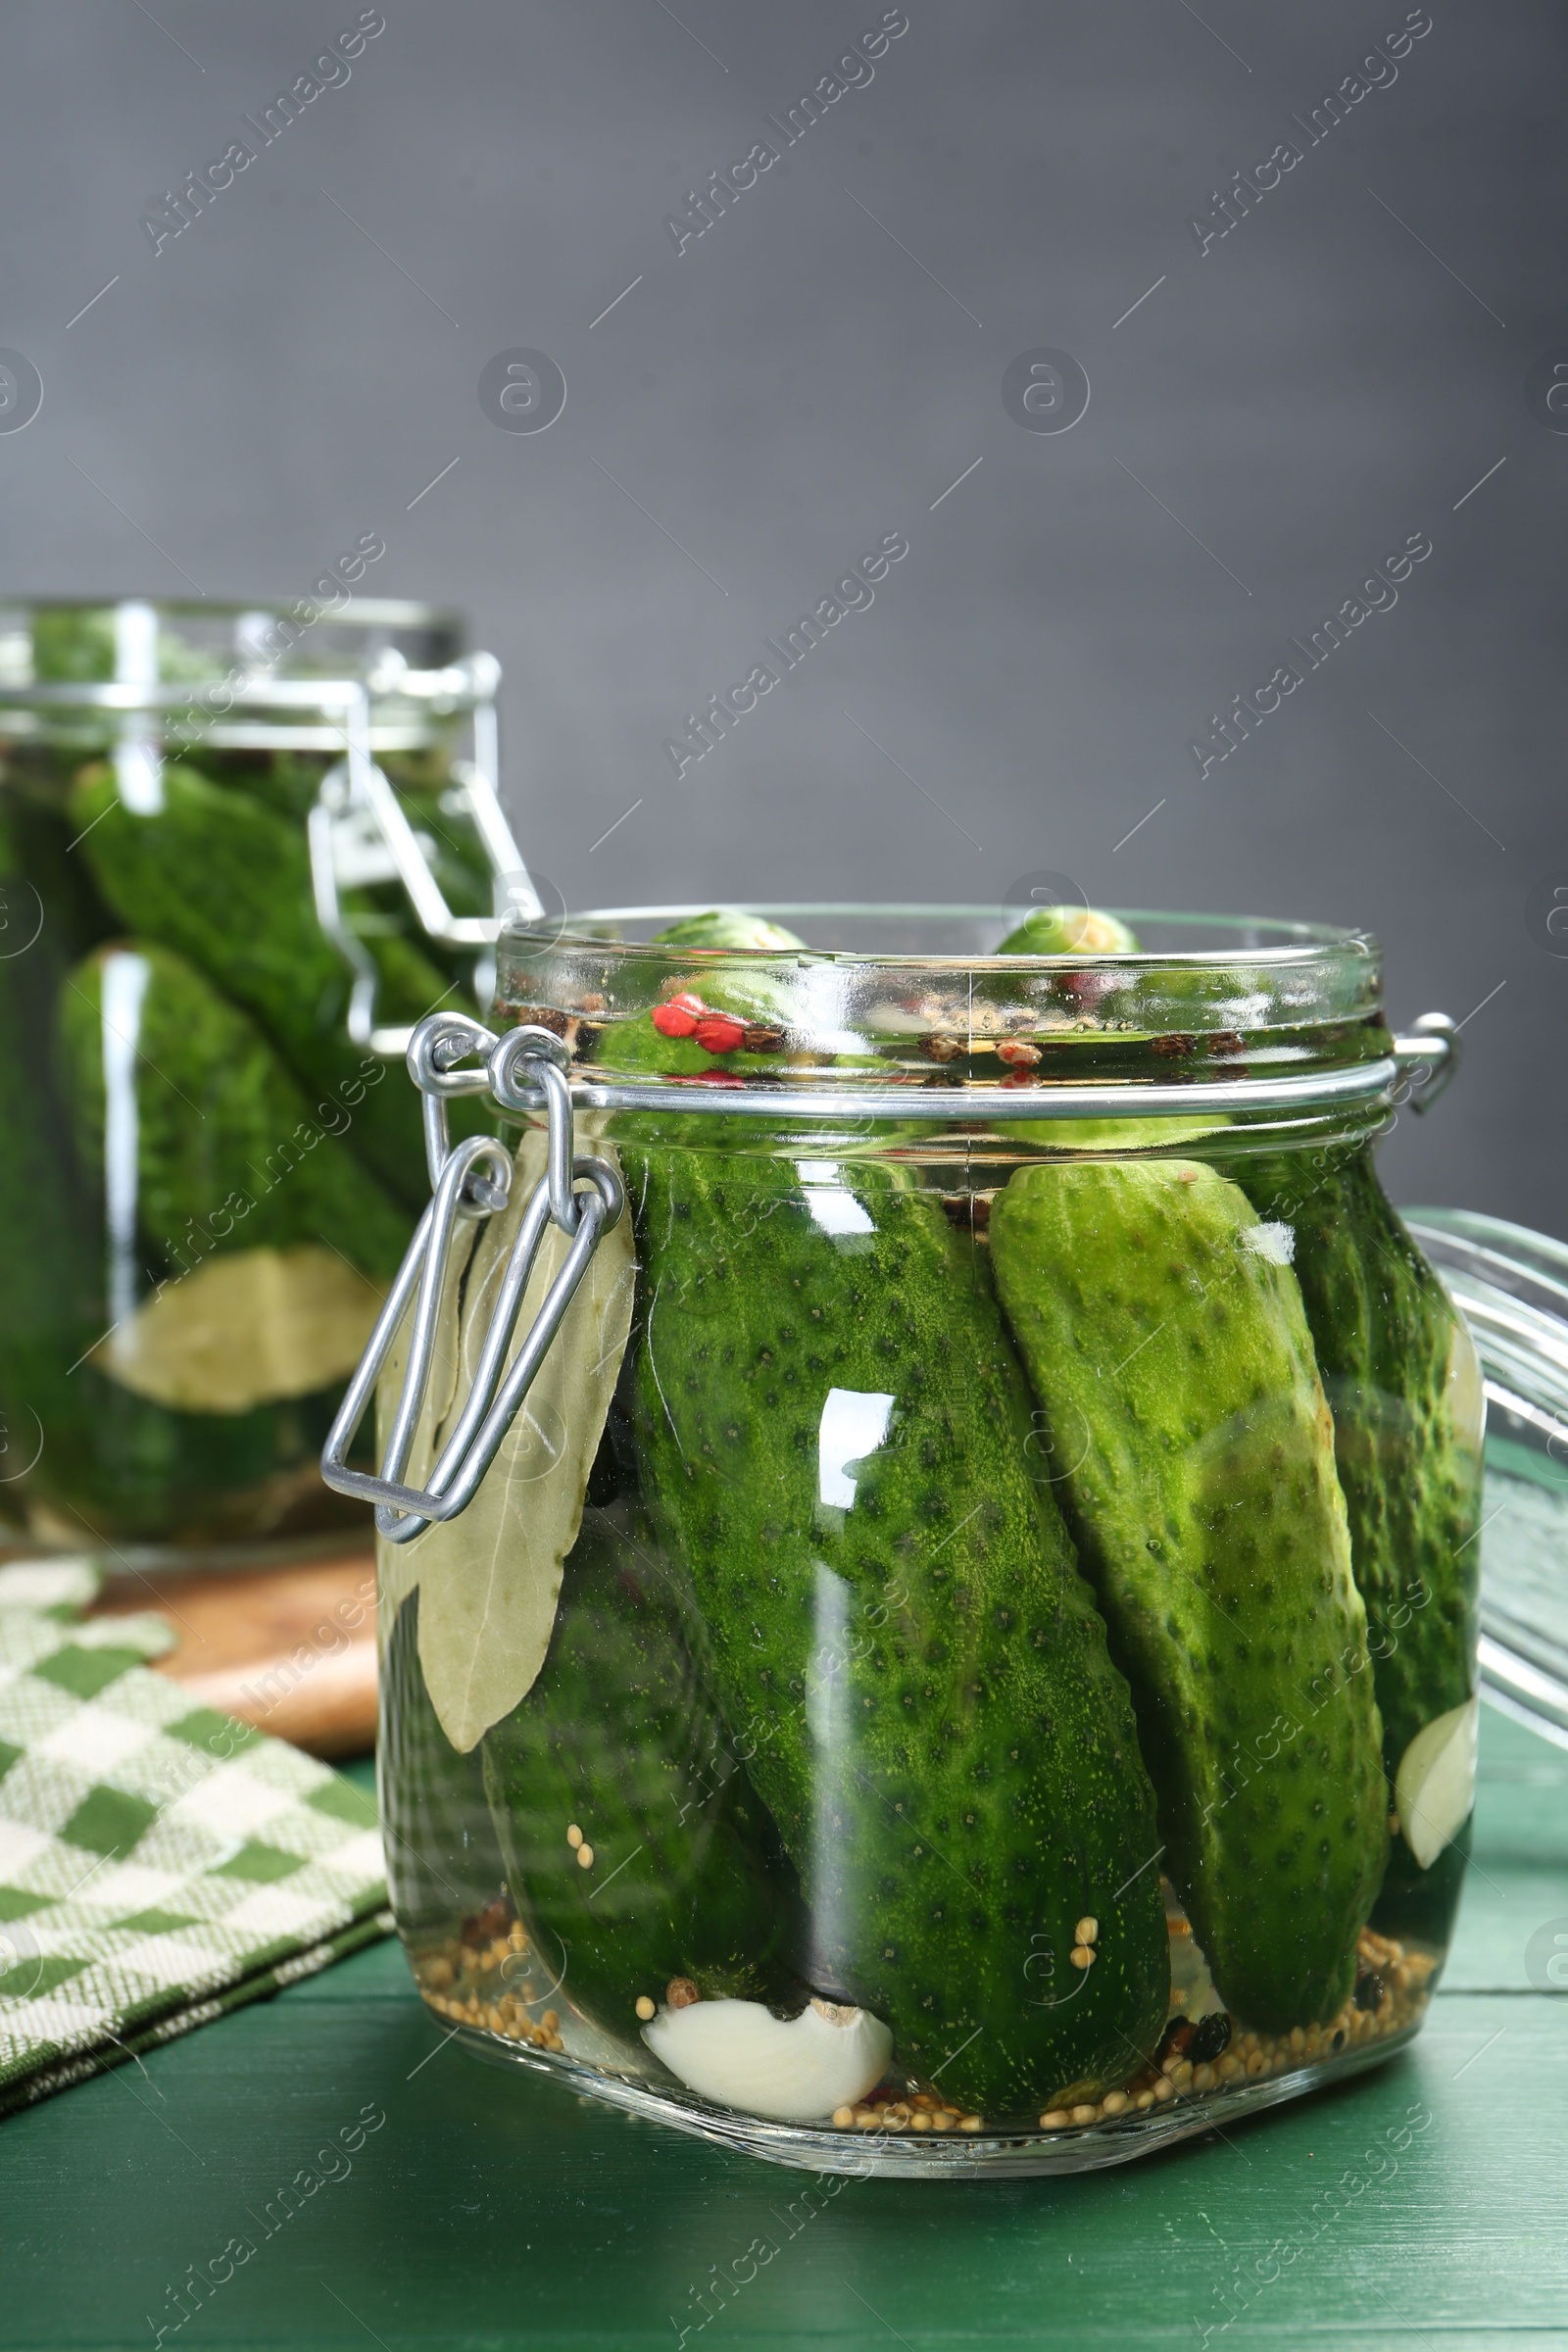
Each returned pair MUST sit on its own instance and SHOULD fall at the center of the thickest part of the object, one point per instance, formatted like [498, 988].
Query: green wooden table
[493, 2209]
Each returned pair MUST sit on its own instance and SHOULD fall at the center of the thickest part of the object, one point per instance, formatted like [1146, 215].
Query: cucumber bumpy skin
[1408, 1448]
[1174, 1363]
[620, 1736]
[227, 882]
[905, 1651]
[253, 1153]
[726, 927]
[1069, 931]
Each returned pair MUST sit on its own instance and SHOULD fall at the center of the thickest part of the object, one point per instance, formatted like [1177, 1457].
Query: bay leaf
[246, 1328]
[490, 1579]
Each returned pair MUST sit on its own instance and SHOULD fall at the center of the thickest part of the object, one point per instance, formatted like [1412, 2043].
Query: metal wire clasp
[581, 1195]
[1427, 1060]
[358, 832]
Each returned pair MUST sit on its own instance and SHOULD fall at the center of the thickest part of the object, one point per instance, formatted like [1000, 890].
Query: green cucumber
[1401, 1383]
[1069, 931]
[726, 927]
[103, 1456]
[227, 1144]
[1174, 1363]
[227, 882]
[619, 1737]
[750, 995]
[904, 1648]
[73, 644]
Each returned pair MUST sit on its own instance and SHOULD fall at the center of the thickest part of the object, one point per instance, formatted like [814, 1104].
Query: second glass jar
[209, 1164]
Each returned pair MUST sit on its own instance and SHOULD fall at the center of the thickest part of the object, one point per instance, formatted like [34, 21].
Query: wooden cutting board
[289, 1649]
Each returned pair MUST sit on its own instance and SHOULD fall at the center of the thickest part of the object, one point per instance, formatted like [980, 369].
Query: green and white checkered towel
[159, 1862]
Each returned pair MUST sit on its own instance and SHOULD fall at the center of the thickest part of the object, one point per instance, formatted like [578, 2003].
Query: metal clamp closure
[1427, 1060]
[357, 833]
[582, 1196]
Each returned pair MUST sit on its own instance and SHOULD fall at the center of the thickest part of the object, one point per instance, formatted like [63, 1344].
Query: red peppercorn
[718, 1033]
[681, 1016]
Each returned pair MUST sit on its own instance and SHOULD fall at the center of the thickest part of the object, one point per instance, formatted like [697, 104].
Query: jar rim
[268, 656]
[892, 997]
[1288, 941]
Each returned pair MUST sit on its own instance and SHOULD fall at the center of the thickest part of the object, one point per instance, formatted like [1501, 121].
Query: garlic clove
[1435, 1788]
[793, 2070]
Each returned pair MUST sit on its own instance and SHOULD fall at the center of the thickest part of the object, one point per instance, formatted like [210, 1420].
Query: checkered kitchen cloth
[160, 1863]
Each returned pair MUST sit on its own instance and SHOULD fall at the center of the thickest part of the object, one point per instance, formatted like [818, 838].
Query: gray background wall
[760, 408]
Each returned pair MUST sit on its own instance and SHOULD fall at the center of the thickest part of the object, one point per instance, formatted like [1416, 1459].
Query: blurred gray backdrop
[1272, 411]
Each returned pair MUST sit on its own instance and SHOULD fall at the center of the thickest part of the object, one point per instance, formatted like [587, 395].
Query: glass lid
[1511, 1286]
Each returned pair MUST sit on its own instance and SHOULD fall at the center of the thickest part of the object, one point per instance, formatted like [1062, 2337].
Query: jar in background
[928, 1592]
[242, 851]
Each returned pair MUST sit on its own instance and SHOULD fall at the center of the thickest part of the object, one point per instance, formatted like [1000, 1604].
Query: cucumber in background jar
[227, 882]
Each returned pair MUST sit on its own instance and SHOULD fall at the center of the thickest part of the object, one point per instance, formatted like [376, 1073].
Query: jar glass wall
[966, 1658]
[209, 1169]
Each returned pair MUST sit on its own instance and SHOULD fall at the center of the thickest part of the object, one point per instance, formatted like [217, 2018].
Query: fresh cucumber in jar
[227, 882]
[718, 1018]
[1172, 1362]
[1405, 1388]
[836, 1439]
[675, 1871]
[230, 1152]
[1069, 931]
[730, 928]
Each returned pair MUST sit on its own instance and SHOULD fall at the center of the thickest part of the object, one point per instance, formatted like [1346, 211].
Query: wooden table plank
[290, 1650]
[495, 2209]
